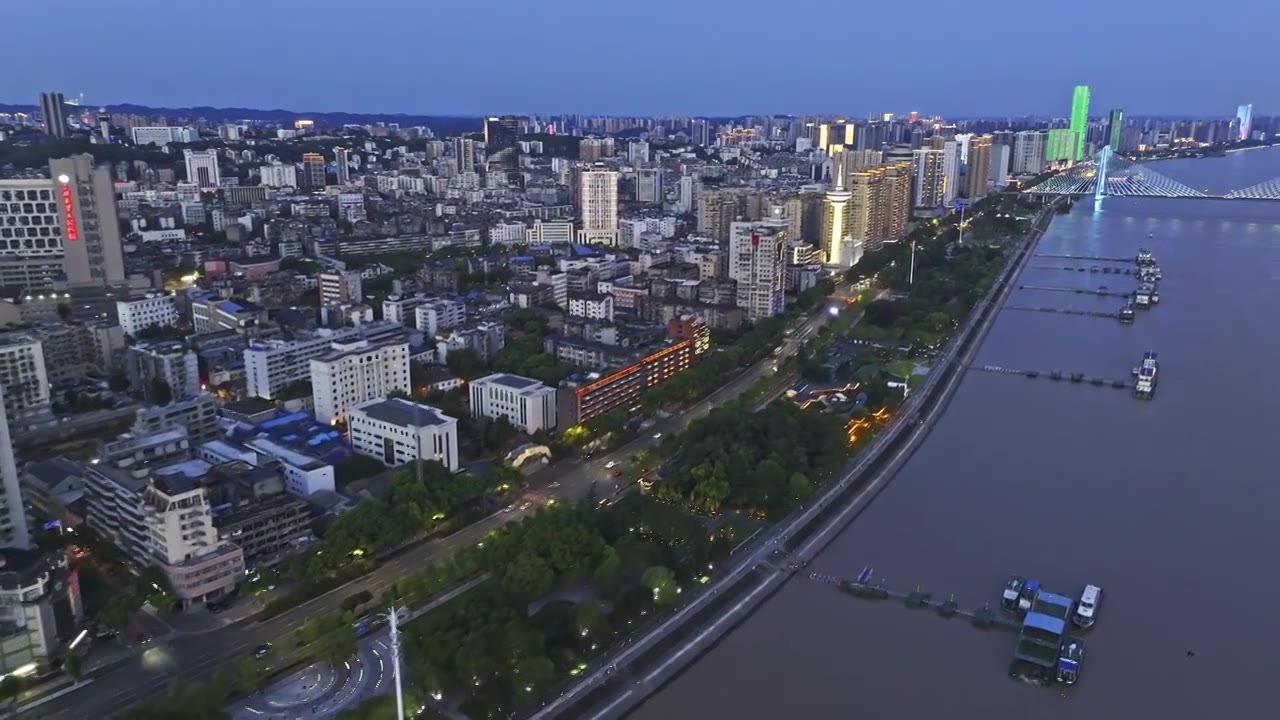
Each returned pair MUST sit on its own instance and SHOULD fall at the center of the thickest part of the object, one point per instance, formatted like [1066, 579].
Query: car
[610, 465]
[1069, 660]
[617, 473]
[262, 650]
[215, 607]
[143, 638]
[1087, 608]
[508, 508]
[525, 506]
[554, 485]
[657, 436]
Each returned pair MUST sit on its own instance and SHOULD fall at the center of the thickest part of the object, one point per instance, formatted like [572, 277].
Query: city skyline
[423, 72]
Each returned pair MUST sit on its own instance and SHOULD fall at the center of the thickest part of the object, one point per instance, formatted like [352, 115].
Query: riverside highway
[197, 656]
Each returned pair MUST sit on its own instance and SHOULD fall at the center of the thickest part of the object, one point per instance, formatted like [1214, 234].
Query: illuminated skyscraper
[979, 165]
[1113, 130]
[599, 193]
[931, 178]
[1245, 115]
[1079, 120]
[313, 170]
[835, 217]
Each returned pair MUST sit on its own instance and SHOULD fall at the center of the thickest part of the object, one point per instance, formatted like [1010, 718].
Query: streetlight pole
[961, 239]
[911, 275]
[395, 662]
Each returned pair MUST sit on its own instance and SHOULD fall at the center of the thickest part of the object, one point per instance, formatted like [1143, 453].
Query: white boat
[1087, 608]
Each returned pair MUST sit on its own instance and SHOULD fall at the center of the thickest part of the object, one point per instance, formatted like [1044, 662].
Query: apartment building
[155, 308]
[167, 361]
[356, 372]
[435, 315]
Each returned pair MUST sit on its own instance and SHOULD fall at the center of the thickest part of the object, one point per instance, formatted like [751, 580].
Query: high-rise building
[464, 152]
[502, 146]
[313, 170]
[54, 111]
[832, 134]
[279, 175]
[1244, 116]
[340, 286]
[1000, 158]
[357, 372]
[599, 198]
[24, 378]
[1079, 120]
[879, 208]
[163, 361]
[979, 165]
[931, 178]
[342, 165]
[649, 185]
[836, 243]
[92, 253]
[1029, 152]
[13, 515]
[202, 168]
[1114, 127]
[757, 262]
[1060, 145]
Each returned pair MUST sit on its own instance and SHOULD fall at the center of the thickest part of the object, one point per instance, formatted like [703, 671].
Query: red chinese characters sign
[69, 212]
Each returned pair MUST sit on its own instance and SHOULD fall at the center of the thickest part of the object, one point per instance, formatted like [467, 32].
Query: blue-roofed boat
[1069, 659]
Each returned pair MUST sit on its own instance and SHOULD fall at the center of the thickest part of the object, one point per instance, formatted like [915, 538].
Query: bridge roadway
[614, 687]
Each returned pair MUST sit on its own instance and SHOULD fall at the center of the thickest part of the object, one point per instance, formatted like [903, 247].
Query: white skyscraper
[1029, 152]
[999, 170]
[1244, 114]
[355, 373]
[757, 261]
[202, 168]
[931, 178]
[343, 165]
[13, 517]
[836, 243]
[599, 193]
[951, 163]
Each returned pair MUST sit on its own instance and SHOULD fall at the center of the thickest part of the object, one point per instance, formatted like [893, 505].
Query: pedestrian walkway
[198, 620]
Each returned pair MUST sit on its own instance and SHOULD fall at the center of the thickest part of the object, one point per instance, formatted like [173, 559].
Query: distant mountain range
[439, 123]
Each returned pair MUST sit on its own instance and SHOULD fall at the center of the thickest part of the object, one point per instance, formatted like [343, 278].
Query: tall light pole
[911, 275]
[395, 661]
[960, 241]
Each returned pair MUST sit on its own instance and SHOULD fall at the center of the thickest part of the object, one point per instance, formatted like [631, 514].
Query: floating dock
[1100, 292]
[984, 617]
[1105, 270]
[1056, 375]
[1097, 258]
[1066, 311]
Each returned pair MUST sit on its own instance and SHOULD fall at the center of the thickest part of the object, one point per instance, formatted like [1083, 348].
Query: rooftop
[515, 382]
[403, 413]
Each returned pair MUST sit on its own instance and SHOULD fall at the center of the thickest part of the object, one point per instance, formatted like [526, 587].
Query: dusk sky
[698, 57]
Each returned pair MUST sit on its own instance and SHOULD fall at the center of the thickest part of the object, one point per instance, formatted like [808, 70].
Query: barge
[1035, 658]
[1145, 386]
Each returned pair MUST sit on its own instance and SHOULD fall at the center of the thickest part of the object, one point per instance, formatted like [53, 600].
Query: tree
[356, 467]
[464, 363]
[801, 488]
[662, 582]
[608, 573]
[159, 392]
[118, 611]
[73, 666]
[118, 381]
[530, 575]
[338, 646]
[535, 673]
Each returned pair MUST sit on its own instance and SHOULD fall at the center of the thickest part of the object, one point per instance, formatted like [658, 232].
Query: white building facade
[154, 309]
[599, 197]
[397, 431]
[757, 263]
[357, 372]
[526, 403]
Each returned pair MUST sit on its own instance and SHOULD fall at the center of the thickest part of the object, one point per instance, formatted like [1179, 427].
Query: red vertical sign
[69, 212]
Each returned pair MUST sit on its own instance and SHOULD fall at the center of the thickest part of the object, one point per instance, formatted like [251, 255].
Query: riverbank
[662, 654]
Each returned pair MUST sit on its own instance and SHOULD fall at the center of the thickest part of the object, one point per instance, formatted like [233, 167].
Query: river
[1173, 505]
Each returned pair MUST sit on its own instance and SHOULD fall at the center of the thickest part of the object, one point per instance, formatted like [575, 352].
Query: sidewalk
[198, 620]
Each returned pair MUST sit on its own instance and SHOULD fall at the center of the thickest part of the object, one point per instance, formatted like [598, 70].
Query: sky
[656, 57]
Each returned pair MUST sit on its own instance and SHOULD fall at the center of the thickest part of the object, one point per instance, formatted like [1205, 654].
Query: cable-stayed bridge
[1107, 174]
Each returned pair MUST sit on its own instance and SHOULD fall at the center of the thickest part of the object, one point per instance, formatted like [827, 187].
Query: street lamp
[960, 207]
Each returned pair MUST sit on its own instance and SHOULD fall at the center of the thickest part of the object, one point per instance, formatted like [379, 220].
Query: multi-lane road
[196, 657]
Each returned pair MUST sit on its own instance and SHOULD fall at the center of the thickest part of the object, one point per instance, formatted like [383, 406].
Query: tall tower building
[649, 185]
[502, 146]
[836, 242]
[1079, 120]
[757, 263]
[599, 198]
[202, 168]
[1029, 152]
[931, 178]
[1114, 128]
[1244, 115]
[979, 165]
[832, 134]
[92, 253]
[342, 161]
[313, 170]
[13, 516]
[879, 207]
[464, 151]
[53, 108]
[951, 163]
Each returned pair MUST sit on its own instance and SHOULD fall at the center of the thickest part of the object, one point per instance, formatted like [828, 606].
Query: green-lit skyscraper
[1080, 118]
[1113, 131]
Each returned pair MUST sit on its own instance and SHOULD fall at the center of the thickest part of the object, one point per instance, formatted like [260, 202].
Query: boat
[1012, 591]
[1126, 314]
[1069, 659]
[1028, 594]
[1155, 297]
[1145, 386]
[1087, 608]
[1142, 297]
[1145, 257]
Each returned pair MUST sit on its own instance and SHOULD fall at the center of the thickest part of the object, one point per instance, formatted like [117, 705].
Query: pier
[1097, 258]
[1077, 378]
[1066, 311]
[984, 617]
[1104, 269]
[1079, 291]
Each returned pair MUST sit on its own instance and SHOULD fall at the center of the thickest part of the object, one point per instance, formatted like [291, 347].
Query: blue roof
[229, 306]
[1054, 598]
[522, 258]
[1045, 622]
[1069, 665]
[583, 250]
[285, 420]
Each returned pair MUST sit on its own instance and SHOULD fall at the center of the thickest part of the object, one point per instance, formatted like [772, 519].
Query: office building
[163, 361]
[1030, 149]
[1079, 121]
[464, 153]
[435, 315]
[836, 243]
[757, 262]
[1060, 145]
[979, 166]
[24, 379]
[31, 232]
[93, 256]
[279, 175]
[930, 178]
[589, 396]
[549, 233]
[1244, 120]
[313, 171]
[502, 146]
[202, 168]
[342, 165]
[356, 372]
[599, 199]
[1001, 156]
[832, 136]
[54, 112]
[649, 185]
[1115, 127]
[155, 308]
[397, 431]
[272, 364]
[525, 403]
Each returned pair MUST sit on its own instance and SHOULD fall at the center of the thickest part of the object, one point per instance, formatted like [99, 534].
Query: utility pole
[911, 276]
[395, 662]
[961, 240]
